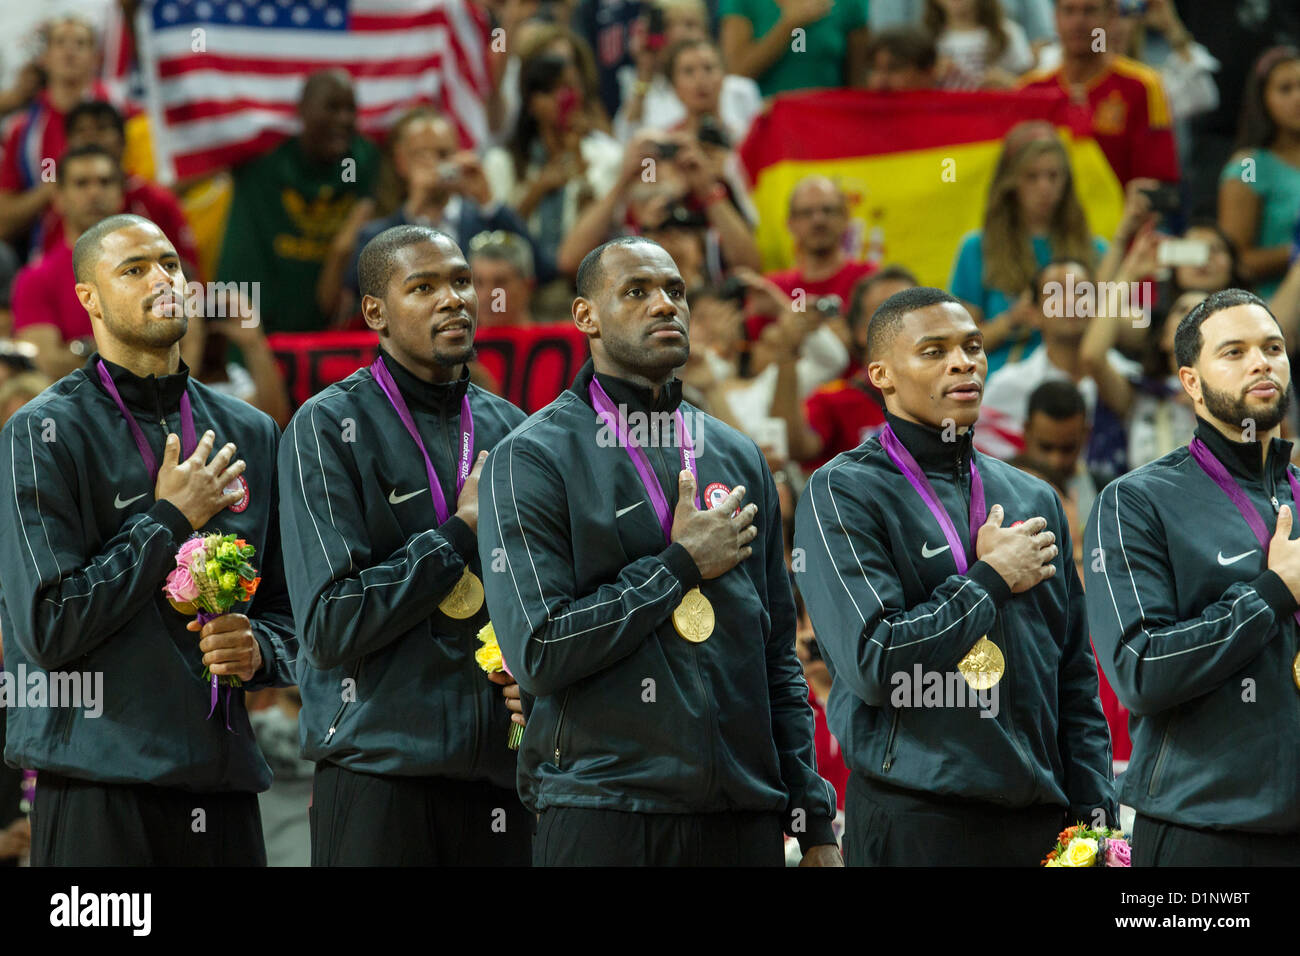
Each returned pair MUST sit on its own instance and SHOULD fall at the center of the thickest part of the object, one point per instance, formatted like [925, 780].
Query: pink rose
[180, 586]
[1118, 853]
[187, 550]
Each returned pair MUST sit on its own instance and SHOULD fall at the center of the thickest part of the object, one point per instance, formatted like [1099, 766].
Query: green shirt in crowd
[822, 60]
[286, 210]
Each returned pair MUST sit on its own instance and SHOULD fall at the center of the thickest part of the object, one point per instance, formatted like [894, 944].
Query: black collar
[637, 398]
[927, 444]
[1242, 458]
[151, 395]
[440, 397]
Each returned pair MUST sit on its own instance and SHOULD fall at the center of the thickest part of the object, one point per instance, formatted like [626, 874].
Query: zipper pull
[330, 734]
[557, 756]
[889, 761]
[1277, 508]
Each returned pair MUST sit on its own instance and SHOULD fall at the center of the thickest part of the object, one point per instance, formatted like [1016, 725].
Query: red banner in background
[533, 363]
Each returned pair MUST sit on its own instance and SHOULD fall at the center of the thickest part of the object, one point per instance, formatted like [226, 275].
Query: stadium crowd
[1182, 98]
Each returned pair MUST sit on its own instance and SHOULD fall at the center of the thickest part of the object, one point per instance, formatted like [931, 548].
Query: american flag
[222, 77]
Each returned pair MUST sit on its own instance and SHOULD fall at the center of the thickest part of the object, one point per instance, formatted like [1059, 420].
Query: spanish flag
[916, 167]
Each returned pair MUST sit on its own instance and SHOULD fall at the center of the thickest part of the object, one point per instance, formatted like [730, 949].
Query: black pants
[571, 836]
[1160, 843]
[364, 819]
[891, 826]
[82, 823]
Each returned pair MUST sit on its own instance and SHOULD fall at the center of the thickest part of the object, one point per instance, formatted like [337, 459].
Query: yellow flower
[229, 581]
[1081, 852]
[489, 655]
[227, 550]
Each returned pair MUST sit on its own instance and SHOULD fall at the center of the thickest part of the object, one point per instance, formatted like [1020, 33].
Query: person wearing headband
[1193, 578]
[942, 589]
[111, 470]
[641, 595]
[379, 478]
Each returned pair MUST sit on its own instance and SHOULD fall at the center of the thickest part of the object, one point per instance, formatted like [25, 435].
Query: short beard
[446, 360]
[155, 332]
[1233, 410]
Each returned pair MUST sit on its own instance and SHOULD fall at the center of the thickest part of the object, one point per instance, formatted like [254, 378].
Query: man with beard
[672, 724]
[379, 491]
[1193, 584]
[964, 691]
[154, 770]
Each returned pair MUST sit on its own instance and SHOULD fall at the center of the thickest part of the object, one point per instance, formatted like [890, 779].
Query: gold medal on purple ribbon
[465, 598]
[984, 665]
[1295, 671]
[694, 618]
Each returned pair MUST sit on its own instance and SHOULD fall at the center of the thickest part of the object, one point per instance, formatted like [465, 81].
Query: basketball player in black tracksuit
[88, 535]
[1193, 610]
[949, 778]
[645, 747]
[408, 733]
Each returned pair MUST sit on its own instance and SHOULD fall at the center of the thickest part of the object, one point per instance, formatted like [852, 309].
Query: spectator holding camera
[659, 171]
[759, 41]
[554, 164]
[1032, 216]
[426, 179]
[1259, 190]
[679, 76]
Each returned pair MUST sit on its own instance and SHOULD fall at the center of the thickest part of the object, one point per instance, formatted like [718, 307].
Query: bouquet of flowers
[213, 573]
[1081, 845]
[490, 660]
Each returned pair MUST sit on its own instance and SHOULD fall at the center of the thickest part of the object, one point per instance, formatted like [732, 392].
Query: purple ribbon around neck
[606, 409]
[1228, 485]
[384, 378]
[188, 443]
[904, 462]
[188, 440]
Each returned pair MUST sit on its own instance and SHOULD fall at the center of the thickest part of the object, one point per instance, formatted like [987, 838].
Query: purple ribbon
[904, 462]
[203, 618]
[384, 379]
[188, 440]
[606, 409]
[1228, 485]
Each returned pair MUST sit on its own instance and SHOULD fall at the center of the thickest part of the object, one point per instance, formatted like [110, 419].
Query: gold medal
[1295, 670]
[189, 608]
[693, 618]
[465, 598]
[984, 665]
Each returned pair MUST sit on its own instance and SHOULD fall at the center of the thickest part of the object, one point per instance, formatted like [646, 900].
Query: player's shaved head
[888, 319]
[591, 272]
[85, 254]
[379, 257]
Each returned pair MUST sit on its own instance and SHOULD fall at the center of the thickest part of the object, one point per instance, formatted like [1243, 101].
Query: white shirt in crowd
[738, 104]
[969, 51]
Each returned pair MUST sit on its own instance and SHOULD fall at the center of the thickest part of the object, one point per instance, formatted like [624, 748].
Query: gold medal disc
[984, 665]
[1295, 670]
[465, 598]
[693, 618]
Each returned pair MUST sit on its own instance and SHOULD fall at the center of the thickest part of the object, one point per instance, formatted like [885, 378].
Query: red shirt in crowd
[155, 203]
[841, 284]
[35, 134]
[844, 414]
[1128, 115]
[830, 759]
[44, 293]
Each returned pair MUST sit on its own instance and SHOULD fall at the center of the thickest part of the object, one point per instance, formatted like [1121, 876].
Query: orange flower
[250, 587]
[240, 542]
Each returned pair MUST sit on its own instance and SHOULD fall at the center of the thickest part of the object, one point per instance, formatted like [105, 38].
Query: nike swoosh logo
[927, 553]
[623, 511]
[395, 499]
[119, 503]
[1233, 560]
